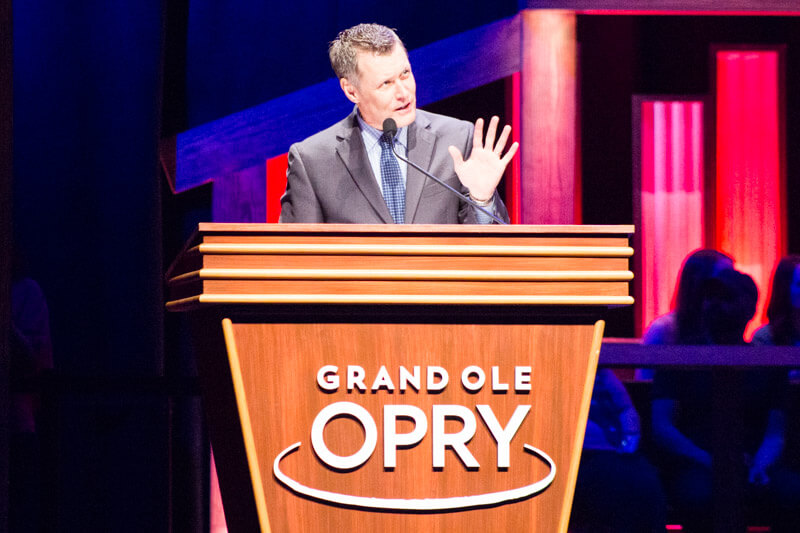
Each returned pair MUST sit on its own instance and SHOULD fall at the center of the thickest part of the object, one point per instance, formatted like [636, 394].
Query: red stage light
[671, 192]
[750, 211]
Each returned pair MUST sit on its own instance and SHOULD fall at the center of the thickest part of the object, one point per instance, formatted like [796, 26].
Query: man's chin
[405, 118]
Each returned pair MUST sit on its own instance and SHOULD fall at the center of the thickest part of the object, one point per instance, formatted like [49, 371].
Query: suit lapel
[420, 150]
[354, 156]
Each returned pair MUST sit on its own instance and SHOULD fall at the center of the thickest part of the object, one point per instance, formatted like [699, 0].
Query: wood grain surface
[270, 263]
[278, 365]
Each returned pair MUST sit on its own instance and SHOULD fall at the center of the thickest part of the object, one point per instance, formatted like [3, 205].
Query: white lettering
[473, 371]
[473, 378]
[382, 380]
[327, 378]
[433, 373]
[441, 440]
[496, 385]
[407, 378]
[503, 436]
[522, 378]
[392, 439]
[318, 439]
[355, 378]
[456, 441]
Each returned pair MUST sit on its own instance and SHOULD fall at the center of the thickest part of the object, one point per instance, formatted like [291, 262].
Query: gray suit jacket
[330, 178]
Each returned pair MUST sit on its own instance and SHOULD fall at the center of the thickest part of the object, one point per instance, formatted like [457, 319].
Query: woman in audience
[783, 311]
[783, 329]
[682, 324]
[682, 423]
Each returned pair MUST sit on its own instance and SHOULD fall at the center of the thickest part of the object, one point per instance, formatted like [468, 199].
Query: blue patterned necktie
[394, 191]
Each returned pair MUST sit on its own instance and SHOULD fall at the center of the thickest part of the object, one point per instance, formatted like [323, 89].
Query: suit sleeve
[299, 203]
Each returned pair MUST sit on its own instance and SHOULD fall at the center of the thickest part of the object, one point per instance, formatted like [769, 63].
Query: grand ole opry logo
[441, 435]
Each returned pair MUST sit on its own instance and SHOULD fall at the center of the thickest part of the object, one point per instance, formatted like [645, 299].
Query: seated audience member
[30, 355]
[617, 491]
[682, 424]
[682, 324]
[783, 310]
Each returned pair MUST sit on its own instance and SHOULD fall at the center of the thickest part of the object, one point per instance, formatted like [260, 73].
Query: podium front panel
[287, 374]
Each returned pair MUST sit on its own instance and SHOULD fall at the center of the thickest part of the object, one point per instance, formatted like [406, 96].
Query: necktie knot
[386, 141]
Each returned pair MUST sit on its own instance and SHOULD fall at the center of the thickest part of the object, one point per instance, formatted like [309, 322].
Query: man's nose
[402, 91]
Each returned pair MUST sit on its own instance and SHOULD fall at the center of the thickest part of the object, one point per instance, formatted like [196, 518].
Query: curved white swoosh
[419, 504]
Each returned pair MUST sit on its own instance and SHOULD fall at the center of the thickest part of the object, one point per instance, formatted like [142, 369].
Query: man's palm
[483, 170]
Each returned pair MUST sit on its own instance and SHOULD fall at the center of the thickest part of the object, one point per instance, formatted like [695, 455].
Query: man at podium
[362, 169]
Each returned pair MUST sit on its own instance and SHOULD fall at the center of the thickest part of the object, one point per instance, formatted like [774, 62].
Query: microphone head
[390, 126]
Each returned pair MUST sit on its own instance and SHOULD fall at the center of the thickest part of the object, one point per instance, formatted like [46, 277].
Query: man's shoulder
[436, 121]
[325, 137]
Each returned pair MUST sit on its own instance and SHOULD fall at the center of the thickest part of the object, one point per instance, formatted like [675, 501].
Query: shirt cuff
[480, 216]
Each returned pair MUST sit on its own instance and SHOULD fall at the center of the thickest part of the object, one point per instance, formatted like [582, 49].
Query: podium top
[305, 264]
[473, 229]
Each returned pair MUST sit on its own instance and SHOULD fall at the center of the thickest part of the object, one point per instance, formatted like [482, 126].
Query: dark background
[95, 88]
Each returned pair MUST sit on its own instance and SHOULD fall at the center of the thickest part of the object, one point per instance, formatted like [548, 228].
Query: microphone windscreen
[390, 126]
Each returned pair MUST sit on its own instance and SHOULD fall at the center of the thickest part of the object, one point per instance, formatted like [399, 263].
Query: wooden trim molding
[417, 249]
[586, 401]
[440, 265]
[395, 275]
[247, 427]
[431, 299]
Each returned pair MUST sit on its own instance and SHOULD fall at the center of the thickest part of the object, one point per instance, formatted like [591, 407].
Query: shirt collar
[372, 135]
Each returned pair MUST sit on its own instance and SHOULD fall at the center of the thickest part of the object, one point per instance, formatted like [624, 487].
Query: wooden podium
[398, 378]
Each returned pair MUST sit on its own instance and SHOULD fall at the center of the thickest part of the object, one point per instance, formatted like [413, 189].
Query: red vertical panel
[513, 185]
[750, 217]
[671, 198]
[276, 184]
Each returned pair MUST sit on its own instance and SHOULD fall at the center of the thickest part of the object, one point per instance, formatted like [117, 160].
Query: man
[348, 173]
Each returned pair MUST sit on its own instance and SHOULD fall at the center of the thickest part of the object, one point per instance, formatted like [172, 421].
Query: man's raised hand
[483, 170]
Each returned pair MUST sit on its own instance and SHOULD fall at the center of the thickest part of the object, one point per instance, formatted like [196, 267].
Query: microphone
[390, 127]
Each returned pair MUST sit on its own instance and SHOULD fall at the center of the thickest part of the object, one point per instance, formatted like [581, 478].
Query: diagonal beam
[246, 139]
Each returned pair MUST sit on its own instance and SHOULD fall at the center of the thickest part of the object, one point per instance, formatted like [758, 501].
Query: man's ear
[349, 90]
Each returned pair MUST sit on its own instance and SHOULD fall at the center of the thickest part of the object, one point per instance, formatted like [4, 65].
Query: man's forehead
[371, 60]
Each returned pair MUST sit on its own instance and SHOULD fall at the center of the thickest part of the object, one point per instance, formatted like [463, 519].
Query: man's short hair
[343, 51]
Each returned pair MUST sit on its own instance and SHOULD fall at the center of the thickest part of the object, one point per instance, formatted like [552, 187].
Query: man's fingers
[501, 142]
[477, 138]
[510, 153]
[458, 158]
[491, 131]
